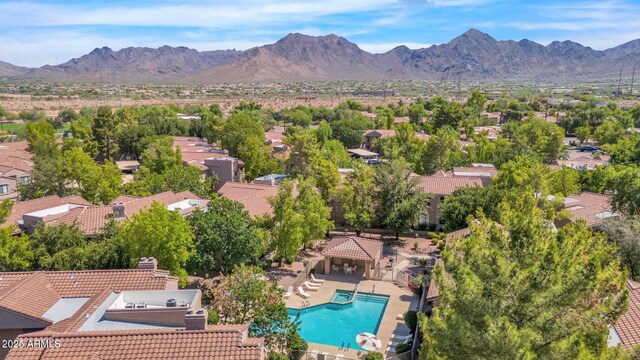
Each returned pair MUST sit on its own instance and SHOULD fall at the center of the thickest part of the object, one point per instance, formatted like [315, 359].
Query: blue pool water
[339, 324]
[341, 296]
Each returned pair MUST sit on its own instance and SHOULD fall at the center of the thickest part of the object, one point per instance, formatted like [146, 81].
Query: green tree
[465, 202]
[523, 174]
[536, 137]
[522, 290]
[256, 155]
[323, 132]
[60, 247]
[608, 132]
[565, 181]
[402, 200]
[626, 184]
[287, 231]
[243, 296]
[238, 129]
[476, 102]
[98, 184]
[66, 116]
[496, 152]
[623, 231]
[583, 133]
[417, 113]
[443, 151]
[16, 252]
[160, 233]
[448, 114]
[350, 127]
[41, 137]
[224, 236]
[356, 195]
[314, 212]
[104, 128]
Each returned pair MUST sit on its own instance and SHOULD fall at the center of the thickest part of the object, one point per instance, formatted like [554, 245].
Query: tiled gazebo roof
[351, 247]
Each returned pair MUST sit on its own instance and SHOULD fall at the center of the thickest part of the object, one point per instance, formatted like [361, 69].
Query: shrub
[433, 235]
[296, 346]
[277, 356]
[401, 348]
[374, 356]
[213, 318]
[416, 246]
[411, 320]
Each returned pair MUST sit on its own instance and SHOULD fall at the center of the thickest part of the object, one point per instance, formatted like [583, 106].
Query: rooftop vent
[195, 320]
[141, 305]
[118, 210]
[130, 305]
[183, 303]
[171, 303]
[148, 263]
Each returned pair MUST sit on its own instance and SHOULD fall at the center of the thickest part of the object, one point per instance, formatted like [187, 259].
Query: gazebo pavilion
[355, 252]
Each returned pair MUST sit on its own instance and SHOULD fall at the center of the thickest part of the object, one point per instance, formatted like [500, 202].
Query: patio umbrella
[368, 341]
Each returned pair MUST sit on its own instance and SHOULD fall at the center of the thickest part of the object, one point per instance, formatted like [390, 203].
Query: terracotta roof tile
[353, 248]
[18, 294]
[216, 342]
[593, 208]
[254, 197]
[628, 326]
[440, 185]
[24, 207]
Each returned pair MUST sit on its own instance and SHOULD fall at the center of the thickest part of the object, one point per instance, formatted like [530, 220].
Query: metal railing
[302, 276]
[407, 355]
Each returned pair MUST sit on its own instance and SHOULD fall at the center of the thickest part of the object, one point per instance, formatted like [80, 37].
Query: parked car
[588, 148]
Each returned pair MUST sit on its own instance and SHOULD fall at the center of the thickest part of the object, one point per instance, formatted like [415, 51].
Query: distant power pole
[619, 80]
[633, 76]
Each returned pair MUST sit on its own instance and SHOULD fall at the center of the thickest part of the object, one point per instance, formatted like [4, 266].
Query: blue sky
[38, 32]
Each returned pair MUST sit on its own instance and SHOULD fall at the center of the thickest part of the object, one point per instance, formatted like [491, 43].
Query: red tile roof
[628, 326]
[18, 293]
[351, 247]
[24, 207]
[440, 185]
[254, 197]
[91, 218]
[593, 208]
[216, 342]
[433, 292]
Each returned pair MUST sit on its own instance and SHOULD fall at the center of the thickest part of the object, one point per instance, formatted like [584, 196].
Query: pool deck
[400, 301]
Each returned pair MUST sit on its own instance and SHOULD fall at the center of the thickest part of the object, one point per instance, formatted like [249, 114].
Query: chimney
[148, 263]
[195, 320]
[118, 210]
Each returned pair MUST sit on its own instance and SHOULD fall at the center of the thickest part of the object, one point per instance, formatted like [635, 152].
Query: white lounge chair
[311, 286]
[396, 337]
[339, 356]
[302, 293]
[314, 354]
[288, 293]
[313, 279]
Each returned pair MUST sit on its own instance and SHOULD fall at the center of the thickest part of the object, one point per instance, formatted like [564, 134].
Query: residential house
[16, 166]
[113, 314]
[211, 160]
[91, 219]
[593, 208]
[626, 331]
[254, 197]
[440, 186]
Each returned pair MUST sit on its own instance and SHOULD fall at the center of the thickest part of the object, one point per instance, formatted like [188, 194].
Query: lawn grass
[12, 128]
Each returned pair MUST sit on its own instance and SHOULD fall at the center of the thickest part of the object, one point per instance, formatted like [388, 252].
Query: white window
[24, 180]
[4, 188]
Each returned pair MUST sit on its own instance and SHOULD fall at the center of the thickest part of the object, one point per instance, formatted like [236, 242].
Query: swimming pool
[338, 324]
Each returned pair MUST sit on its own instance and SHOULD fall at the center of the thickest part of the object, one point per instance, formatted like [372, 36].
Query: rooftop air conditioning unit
[171, 303]
[183, 304]
[130, 305]
[141, 305]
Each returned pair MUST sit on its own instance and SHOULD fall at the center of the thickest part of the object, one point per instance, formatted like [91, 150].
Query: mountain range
[473, 55]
